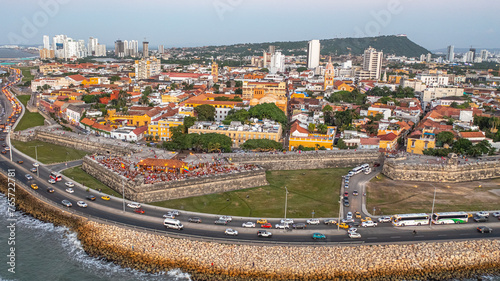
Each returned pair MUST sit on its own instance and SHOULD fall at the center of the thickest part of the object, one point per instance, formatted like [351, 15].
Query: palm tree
[494, 121]
[311, 127]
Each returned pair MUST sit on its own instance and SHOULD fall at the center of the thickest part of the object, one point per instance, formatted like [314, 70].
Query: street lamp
[36, 159]
[286, 200]
[433, 200]
[340, 210]
[123, 194]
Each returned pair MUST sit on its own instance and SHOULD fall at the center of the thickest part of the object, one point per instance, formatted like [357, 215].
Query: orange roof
[467, 135]
[369, 141]
[77, 77]
[388, 137]
[296, 127]
[87, 121]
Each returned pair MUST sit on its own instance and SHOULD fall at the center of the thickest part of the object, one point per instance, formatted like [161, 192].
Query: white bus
[450, 217]
[357, 170]
[173, 223]
[410, 219]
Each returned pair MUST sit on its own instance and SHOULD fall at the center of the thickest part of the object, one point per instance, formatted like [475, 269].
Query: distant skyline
[431, 24]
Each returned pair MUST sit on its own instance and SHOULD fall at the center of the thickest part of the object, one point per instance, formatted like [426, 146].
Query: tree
[268, 111]
[327, 108]
[311, 127]
[300, 69]
[205, 112]
[462, 146]
[341, 144]
[144, 99]
[264, 70]
[241, 115]
[238, 84]
[445, 137]
[189, 121]
[114, 78]
[238, 91]
[322, 128]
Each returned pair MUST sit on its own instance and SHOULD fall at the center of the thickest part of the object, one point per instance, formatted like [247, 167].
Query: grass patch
[27, 73]
[49, 153]
[29, 119]
[80, 176]
[309, 190]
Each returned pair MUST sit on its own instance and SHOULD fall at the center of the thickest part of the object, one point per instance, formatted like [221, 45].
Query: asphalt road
[152, 219]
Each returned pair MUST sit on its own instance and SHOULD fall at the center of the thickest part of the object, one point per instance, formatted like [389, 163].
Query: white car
[168, 215]
[354, 235]
[368, 223]
[134, 205]
[312, 221]
[175, 212]
[52, 181]
[349, 215]
[81, 204]
[352, 230]
[287, 221]
[7, 148]
[347, 220]
[70, 190]
[226, 218]
[36, 164]
[384, 219]
[231, 231]
[248, 224]
[483, 214]
[69, 184]
[496, 214]
[282, 226]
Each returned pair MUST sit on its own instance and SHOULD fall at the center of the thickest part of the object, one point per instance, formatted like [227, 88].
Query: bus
[357, 170]
[450, 217]
[55, 176]
[410, 219]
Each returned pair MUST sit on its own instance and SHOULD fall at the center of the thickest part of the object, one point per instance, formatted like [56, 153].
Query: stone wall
[398, 170]
[308, 160]
[140, 192]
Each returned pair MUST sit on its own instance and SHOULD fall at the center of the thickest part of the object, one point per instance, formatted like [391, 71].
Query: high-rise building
[100, 50]
[450, 54]
[215, 72]
[46, 42]
[147, 67]
[372, 62]
[429, 57]
[126, 49]
[469, 56]
[329, 75]
[133, 48]
[59, 46]
[272, 49]
[422, 58]
[92, 46]
[145, 49]
[46, 54]
[161, 49]
[313, 53]
[119, 48]
[473, 51]
[277, 62]
[484, 54]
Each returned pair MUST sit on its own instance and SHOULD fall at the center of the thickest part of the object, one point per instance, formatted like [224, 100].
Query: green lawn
[80, 176]
[309, 190]
[49, 153]
[26, 73]
[30, 119]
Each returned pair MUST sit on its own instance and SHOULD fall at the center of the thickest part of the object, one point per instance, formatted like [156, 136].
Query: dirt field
[394, 197]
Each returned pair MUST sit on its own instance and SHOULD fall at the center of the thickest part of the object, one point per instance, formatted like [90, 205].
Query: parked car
[318, 235]
[483, 214]
[330, 221]
[299, 226]
[66, 203]
[223, 222]
[194, 219]
[346, 203]
[484, 229]
[312, 221]
[368, 223]
[480, 219]
[248, 224]
[264, 233]
[384, 219]
[346, 194]
[266, 225]
[231, 231]
[81, 204]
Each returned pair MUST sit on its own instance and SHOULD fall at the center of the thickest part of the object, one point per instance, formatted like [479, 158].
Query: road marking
[463, 234]
[372, 238]
[395, 237]
[442, 235]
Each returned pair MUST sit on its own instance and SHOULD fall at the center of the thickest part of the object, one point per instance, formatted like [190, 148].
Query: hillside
[398, 45]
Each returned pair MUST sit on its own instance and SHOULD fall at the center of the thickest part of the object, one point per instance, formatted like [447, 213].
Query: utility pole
[340, 210]
[286, 200]
[433, 200]
[123, 194]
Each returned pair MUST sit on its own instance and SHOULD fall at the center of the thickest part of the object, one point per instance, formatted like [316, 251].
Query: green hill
[397, 45]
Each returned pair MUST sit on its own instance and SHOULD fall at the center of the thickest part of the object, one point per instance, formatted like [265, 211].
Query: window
[412, 143]
[425, 145]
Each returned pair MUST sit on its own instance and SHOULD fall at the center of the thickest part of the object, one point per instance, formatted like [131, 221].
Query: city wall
[451, 172]
[161, 191]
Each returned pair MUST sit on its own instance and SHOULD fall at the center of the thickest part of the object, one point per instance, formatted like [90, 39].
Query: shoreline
[155, 253]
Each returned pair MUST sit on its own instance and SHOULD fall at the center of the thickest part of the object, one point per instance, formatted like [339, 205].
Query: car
[70, 190]
[366, 219]
[169, 215]
[69, 184]
[350, 174]
[317, 235]
[264, 233]
[312, 221]
[330, 221]
[231, 231]
[344, 225]
[81, 204]
[346, 186]
[134, 205]
[355, 193]
[226, 218]
[299, 226]
[347, 220]
[349, 215]
[33, 170]
[266, 225]
[50, 190]
[480, 219]
[174, 212]
[261, 221]
[194, 219]
[346, 198]
[105, 197]
[139, 210]
[4, 151]
[28, 177]
[224, 222]
[352, 229]
[287, 221]
[282, 226]
[36, 164]
[357, 215]
[354, 235]
[346, 194]
[20, 161]
[51, 181]
[376, 164]
[346, 203]
[66, 203]
[368, 223]
[34, 186]
[483, 214]
[384, 219]
[7, 148]
[248, 224]
[91, 197]
[484, 229]
[496, 214]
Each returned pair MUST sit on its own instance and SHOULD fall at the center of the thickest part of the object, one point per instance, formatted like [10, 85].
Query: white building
[372, 62]
[437, 93]
[450, 54]
[433, 80]
[129, 133]
[147, 67]
[92, 46]
[313, 54]
[277, 63]
[100, 50]
[46, 43]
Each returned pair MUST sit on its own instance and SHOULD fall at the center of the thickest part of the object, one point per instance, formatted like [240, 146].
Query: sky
[433, 24]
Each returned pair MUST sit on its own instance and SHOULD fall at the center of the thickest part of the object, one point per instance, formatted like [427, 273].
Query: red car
[266, 225]
[139, 211]
[346, 194]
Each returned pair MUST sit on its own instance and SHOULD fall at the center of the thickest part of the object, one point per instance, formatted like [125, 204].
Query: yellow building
[215, 72]
[420, 141]
[239, 133]
[132, 120]
[257, 90]
[50, 68]
[161, 129]
[92, 81]
[299, 135]
[329, 75]
[388, 142]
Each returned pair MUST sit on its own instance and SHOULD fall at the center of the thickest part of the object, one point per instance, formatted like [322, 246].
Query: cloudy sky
[431, 23]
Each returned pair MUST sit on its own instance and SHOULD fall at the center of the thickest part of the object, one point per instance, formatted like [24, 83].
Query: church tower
[215, 72]
[329, 74]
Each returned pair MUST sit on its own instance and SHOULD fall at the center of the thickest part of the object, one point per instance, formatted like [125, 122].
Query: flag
[185, 169]
[123, 165]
